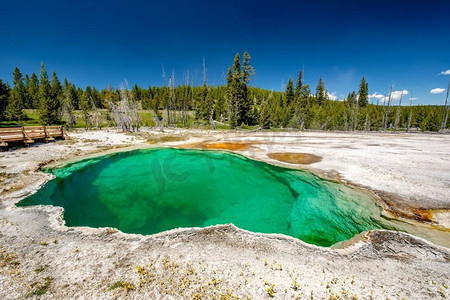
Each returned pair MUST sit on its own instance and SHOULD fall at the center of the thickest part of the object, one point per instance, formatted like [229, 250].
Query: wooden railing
[28, 134]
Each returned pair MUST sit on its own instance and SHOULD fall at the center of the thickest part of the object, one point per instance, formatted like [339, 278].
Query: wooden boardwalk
[29, 134]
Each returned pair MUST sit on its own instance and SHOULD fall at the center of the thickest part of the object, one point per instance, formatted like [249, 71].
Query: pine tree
[88, 92]
[80, 93]
[17, 99]
[289, 95]
[86, 106]
[33, 91]
[302, 94]
[27, 100]
[4, 96]
[26, 80]
[246, 102]
[234, 83]
[363, 93]
[96, 97]
[240, 102]
[276, 107]
[289, 103]
[264, 116]
[49, 104]
[56, 88]
[299, 85]
[302, 90]
[351, 98]
[56, 93]
[109, 95]
[136, 93]
[321, 93]
[68, 103]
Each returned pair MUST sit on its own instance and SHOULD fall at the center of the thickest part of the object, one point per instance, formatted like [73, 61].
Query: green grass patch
[39, 269]
[40, 288]
[147, 119]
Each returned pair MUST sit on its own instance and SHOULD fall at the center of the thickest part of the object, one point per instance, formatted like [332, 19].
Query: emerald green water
[150, 191]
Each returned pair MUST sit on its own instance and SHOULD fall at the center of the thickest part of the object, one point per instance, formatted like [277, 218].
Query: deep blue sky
[101, 42]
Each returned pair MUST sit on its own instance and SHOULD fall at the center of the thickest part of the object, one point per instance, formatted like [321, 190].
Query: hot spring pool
[153, 190]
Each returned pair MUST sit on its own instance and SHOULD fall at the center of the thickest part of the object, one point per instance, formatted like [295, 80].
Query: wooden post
[26, 139]
[47, 136]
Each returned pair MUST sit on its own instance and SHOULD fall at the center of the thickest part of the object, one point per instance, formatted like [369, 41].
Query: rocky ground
[42, 258]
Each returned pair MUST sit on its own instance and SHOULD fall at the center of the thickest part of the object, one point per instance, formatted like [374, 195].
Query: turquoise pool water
[153, 190]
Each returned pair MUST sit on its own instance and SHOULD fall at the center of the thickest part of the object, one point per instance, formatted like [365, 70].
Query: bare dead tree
[212, 122]
[209, 108]
[184, 116]
[167, 100]
[172, 108]
[96, 116]
[158, 120]
[383, 112]
[192, 95]
[174, 100]
[117, 115]
[302, 122]
[299, 118]
[125, 113]
[68, 110]
[356, 108]
[352, 118]
[346, 122]
[324, 125]
[445, 116]
[399, 108]
[367, 123]
[410, 114]
[386, 118]
[204, 76]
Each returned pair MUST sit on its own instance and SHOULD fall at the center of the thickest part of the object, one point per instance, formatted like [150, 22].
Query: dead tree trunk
[410, 114]
[345, 122]
[173, 100]
[68, 110]
[158, 120]
[172, 110]
[399, 109]
[445, 116]
[166, 99]
[96, 116]
[125, 113]
[185, 97]
[367, 123]
[356, 108]
[352, 116]
[386, 118]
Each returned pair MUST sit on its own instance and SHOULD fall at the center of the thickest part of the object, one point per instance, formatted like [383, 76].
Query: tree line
[236, 104]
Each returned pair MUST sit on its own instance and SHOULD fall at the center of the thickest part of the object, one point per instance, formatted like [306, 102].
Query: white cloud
[332, 96]
[413, 98]
[445, 72]
[396, 95]
[376, 96]
[437, 91]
